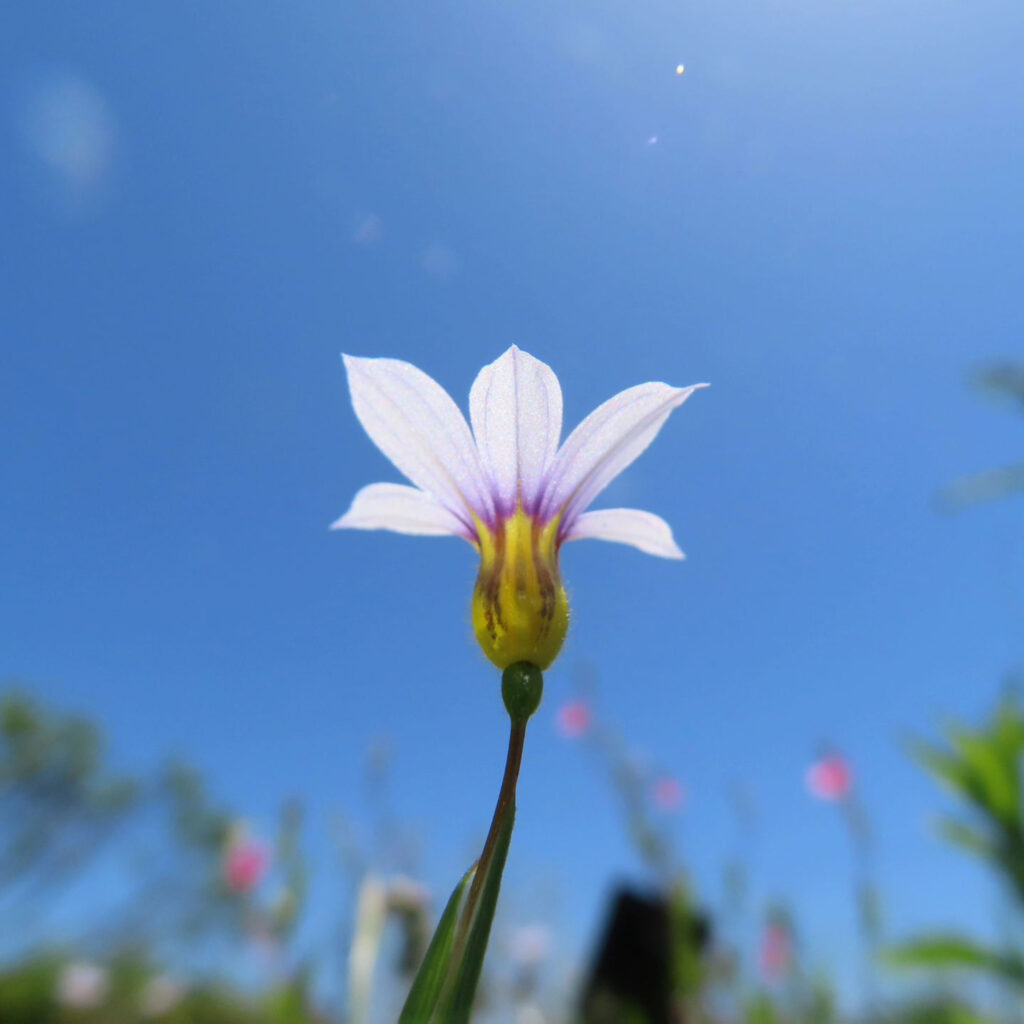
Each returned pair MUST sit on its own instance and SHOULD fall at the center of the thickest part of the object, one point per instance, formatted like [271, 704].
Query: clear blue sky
[204, 204]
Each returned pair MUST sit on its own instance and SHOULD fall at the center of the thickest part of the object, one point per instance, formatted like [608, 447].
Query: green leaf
[963, 776]
[1007, 729]
[967, 838]
[761, 1010]
[954, 951]
[989, 485]
[456, 1006]
[965, 1015]
[945, 767]
[429, 980]
[938, 1009]
[995, 777]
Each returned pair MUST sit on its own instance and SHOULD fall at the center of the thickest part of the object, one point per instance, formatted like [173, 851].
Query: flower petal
[643, 530]
[402, 509]
[515, 406]
[604, 444]
[414, 422]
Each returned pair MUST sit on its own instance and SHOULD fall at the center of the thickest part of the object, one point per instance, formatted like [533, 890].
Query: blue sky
[203, 205]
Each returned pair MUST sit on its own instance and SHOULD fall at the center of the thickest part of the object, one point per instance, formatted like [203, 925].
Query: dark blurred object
[643, 961]
[631, 972]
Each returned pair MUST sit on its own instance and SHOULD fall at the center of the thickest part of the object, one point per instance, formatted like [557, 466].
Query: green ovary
[520, 609]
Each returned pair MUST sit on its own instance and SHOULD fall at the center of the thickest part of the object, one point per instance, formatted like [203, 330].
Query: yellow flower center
[520, 609]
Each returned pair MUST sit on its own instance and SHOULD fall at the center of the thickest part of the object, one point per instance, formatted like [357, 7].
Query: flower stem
[522, 685]
[504, 810]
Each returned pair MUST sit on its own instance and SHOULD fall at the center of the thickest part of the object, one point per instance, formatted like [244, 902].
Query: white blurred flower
[406, 893]
[530, 1013]
[530, 944]
[82, 985]
[371, 913]
[160, 995]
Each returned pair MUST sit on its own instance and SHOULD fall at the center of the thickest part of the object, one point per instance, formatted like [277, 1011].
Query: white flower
[406, 894]
[371, 914]
[529, 945]
[82, 985]
[160, 995]
[530, 1013]
[507, 486]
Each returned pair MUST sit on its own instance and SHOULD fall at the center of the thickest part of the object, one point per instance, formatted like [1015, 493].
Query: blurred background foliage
[205, 896]
[1002, 382]
[204, 920]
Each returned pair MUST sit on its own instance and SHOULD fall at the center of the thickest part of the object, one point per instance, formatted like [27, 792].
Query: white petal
[414, 422]
[402, 509]
[605, 443]
[643, 530]
[515, 406]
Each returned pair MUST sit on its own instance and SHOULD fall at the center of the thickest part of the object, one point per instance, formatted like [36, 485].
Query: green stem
[503, 810]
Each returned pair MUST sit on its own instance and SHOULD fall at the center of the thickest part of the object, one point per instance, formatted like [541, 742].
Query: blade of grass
[426, 988]
[458, 1006]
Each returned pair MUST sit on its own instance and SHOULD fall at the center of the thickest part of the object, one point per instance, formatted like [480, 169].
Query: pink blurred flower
[776, 951]
[667, 793]
[830, 778]
[574, 719]
[245, 863]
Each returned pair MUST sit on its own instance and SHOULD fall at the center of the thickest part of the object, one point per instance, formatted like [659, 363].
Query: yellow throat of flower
[520, 610]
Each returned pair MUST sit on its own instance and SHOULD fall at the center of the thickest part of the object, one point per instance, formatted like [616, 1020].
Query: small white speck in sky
[680, 68]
